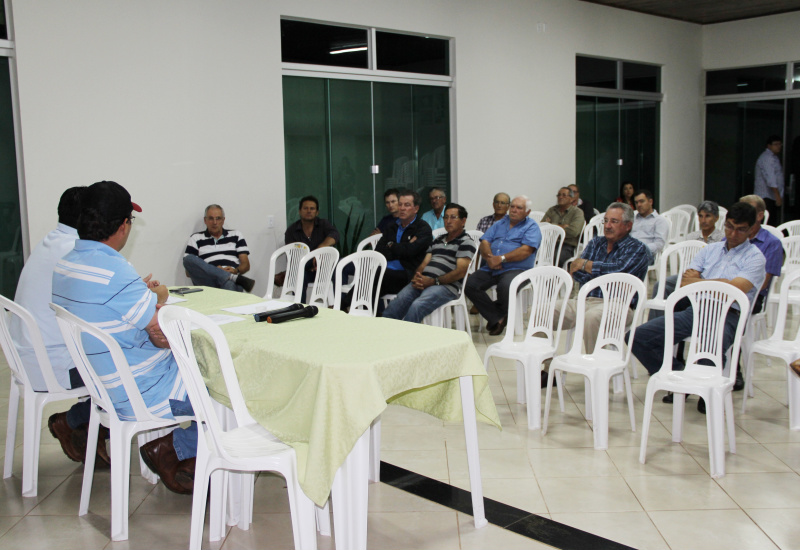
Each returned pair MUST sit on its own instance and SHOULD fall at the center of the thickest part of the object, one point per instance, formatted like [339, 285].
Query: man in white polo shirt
[218, 257]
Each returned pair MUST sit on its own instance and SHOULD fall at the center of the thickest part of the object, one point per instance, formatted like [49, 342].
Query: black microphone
[308, 311]
[264, 315]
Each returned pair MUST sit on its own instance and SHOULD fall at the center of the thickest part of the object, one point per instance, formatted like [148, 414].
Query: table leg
[350, 493]
[473, 457]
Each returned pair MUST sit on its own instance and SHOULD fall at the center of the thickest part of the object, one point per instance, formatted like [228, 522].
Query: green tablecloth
[318, 383]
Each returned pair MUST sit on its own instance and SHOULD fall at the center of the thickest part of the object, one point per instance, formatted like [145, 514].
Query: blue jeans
[184, 439]
[205, 274]
[648, 344]
[414, 305]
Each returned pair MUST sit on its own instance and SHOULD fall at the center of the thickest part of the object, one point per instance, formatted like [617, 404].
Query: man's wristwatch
[503, 259]
[436, 281]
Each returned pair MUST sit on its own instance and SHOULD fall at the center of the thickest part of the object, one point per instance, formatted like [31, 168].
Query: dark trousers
[774, 212]
[476, 287]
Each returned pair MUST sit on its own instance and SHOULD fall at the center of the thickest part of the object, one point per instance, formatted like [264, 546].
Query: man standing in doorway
[769, 178]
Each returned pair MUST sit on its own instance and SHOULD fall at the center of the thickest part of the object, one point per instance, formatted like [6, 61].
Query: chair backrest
[369, 243]
[680, 224]
[790, 229]
[618, 290]
[475, 235]
[550, 247]
[16, 362]
[773, 230]
[368, 266]
[791, 252]
[711, 301]
[694, 221]
[766, 217]
[293, 252]
[550, 287]
[723, 213]
[590, 231]
[678, 256]
[473, 265]
[326, 259]
[790, 279]
[74, 330]
[536, 215]
[177, 324]
[439, 232]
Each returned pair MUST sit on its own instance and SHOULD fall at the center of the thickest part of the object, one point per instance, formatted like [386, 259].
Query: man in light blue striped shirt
[96, 283]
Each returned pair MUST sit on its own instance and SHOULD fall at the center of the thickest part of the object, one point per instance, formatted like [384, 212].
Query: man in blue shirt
[435, 216]
[96, 283]
[735, 261]
[508, 248]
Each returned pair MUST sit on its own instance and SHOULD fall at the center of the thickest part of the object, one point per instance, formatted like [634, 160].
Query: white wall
[180, 102]
[758, 41]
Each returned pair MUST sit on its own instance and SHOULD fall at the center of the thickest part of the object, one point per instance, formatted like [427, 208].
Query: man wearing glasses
[218, 257]
[435, 217]
[615, 251]
[500, 205]
[735, 261]
[569, 218]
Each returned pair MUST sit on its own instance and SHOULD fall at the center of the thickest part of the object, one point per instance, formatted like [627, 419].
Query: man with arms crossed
[218, 257]
[507, 248]
[438, 278]
[569, 218]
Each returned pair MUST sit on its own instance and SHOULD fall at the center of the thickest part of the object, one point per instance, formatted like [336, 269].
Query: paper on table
[220, 319]
[174, 300]
[257, 308]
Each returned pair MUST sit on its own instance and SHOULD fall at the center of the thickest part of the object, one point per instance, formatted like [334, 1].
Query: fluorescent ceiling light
[348, 50]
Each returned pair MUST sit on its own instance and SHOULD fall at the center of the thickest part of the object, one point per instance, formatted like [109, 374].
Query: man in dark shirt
[311, 230]
[390, 200]
[404, 244]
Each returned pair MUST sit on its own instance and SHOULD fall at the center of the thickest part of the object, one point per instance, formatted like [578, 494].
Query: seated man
[34, 292]
[616, 251]
[500, 204]
[390, 201]
[648, 226]
[769, 245]
[735, 261]
[313, 231]
[434, 217]
[218, 257]
[569, 218]
[96, 283]
[508, 248]
[438, 278]
[707, 217]
[404, 245]
[585, 206]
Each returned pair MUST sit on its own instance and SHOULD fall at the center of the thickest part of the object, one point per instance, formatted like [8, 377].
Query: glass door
[11, 253]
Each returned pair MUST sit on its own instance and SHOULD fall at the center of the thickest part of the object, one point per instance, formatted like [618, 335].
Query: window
[748, 80]
[412, 54]
[596, 72]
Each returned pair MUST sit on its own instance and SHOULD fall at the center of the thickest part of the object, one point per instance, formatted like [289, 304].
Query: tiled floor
[670, 502]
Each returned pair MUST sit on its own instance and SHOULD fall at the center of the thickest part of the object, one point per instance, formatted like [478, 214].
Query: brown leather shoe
[498, 328]
[159, 455]
[795, 367]
[61, 431]
[185, 473]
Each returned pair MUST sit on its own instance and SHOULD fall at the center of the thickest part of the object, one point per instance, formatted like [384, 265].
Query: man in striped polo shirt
[96, 283]
[218, 257]
[438, 277]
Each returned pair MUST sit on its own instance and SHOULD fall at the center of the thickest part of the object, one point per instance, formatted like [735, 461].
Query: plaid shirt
[627, 256]
[485, 223]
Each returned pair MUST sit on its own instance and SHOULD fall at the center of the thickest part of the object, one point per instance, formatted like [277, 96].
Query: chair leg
[11, 428]
[222, 484]
[303, 515]
[648, 413]
[552, 373]
[533, 391]
[120, 444]
[375, 451]
[587, 396]
[88, 468]
[350, 494]
[678, 406]
[31, 437]
[793, 388]
[599, 390]
[729, 423]
[323, 518]
[199, 497]
[716, 434]
[627, 378]
[748, 379]
[522, 394]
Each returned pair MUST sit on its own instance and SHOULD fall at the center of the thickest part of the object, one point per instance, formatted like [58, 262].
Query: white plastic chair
[723, 213]
[756, 329]
[777, 346]
[35, 401]
[680, 224]
[103, 412]
[536, 215]
[711, 301]
[550, 287]
[440, 317]
[791, 228]
[369, 243]
[590, 231]
[657, 260]
[439, 232]
[246, 448]
[677, 257]
[321, 290]
[475, 235]
[550, 247]
[293, 252]
[773, 230]
[368, 265]
[694, 222]
[791, 262]
[766, 217]
[610, 356]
